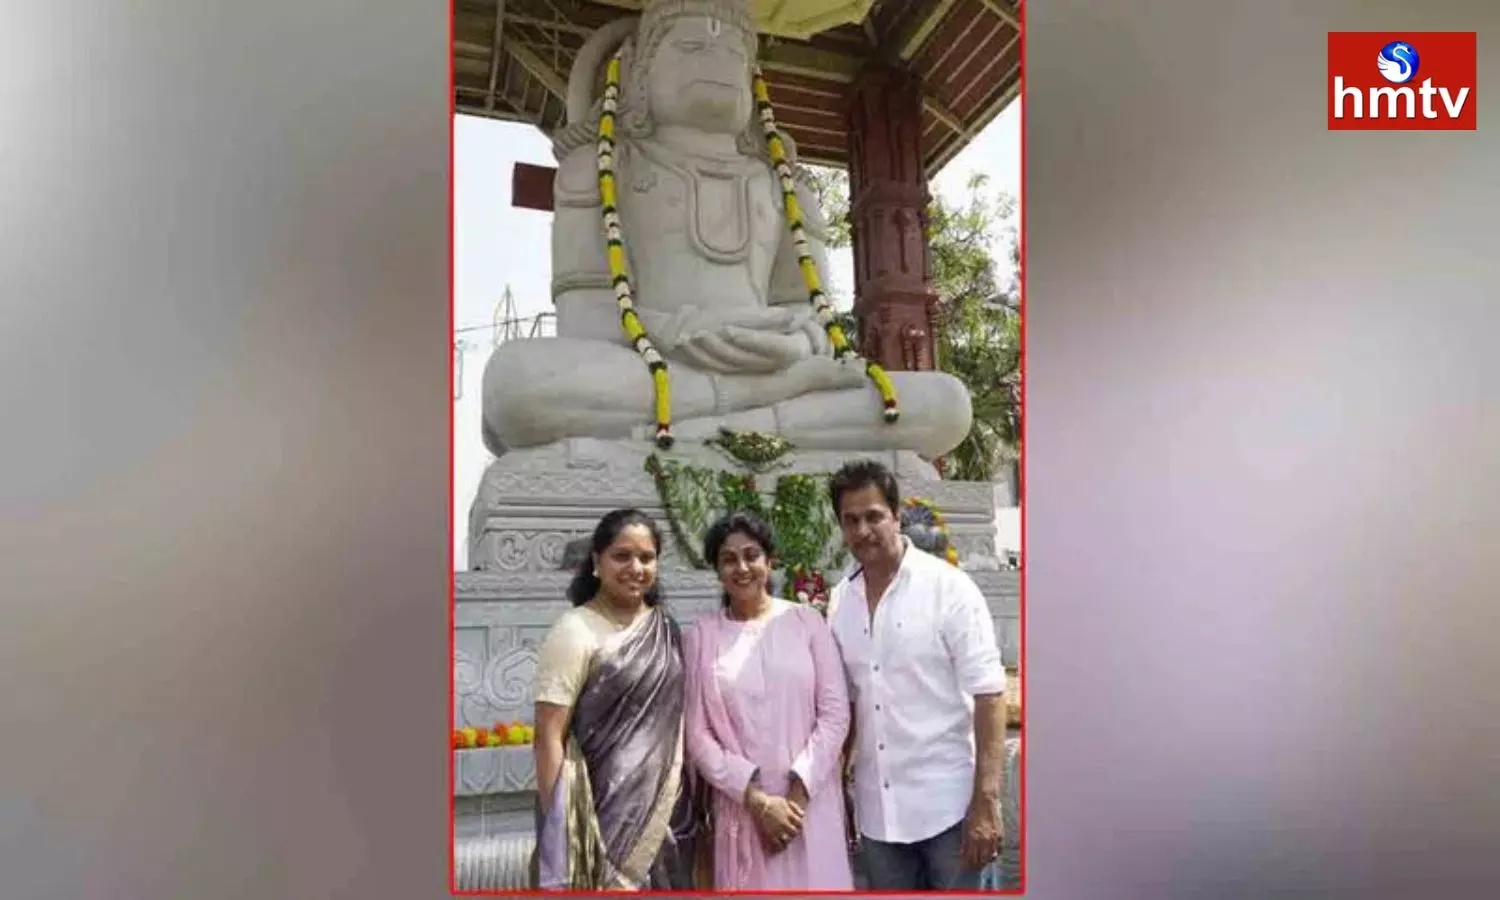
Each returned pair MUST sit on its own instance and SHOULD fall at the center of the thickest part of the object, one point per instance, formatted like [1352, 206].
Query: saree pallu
[624, 814]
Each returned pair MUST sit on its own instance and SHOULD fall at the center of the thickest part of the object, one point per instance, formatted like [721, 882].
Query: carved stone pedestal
[530, 507]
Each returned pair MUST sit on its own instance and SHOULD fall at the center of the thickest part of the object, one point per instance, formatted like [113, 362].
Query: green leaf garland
[809, 544]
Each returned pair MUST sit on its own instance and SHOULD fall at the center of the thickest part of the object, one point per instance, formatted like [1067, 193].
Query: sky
[496, 245]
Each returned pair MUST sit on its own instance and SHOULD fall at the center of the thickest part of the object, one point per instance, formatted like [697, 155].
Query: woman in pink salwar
[767, 713]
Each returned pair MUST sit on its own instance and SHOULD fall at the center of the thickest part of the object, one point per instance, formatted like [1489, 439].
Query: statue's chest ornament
[725, 206]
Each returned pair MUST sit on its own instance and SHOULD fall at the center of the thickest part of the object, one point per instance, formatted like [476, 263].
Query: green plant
[804, 525]
[752, 449]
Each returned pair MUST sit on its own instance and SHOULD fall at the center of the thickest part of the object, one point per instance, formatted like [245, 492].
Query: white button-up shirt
[913, 672]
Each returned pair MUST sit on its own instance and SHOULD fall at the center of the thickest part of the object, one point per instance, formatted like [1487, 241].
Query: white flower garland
[619, 271]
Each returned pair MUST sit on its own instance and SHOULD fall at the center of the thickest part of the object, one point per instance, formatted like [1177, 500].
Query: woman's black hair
[748, 524]
[585, 584]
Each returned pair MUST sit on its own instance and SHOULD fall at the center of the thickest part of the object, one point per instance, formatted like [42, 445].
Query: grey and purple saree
[624, 814]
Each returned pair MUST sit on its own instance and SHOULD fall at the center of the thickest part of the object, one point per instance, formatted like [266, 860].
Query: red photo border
[448, 563]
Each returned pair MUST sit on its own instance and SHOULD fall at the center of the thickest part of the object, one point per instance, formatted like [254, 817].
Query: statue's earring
[714, 27]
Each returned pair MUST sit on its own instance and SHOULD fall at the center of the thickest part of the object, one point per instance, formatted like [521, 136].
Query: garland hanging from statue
[619, 270]
[806, 529]
[799, 514]
[822, 306]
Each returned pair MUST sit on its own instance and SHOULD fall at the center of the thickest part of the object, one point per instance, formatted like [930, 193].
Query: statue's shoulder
[577, 181]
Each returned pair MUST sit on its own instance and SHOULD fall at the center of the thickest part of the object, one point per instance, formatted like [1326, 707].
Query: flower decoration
[515, 734]
[822, 306]
[922, 522]
[751, 448]
[619, 269]
[808, 587]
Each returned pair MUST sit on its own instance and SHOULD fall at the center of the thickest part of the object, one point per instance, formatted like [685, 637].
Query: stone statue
[714, 269]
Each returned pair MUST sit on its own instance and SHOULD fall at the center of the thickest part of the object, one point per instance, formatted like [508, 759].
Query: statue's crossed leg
[545, 389]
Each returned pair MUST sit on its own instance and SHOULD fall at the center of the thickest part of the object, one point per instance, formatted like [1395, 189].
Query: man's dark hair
[860, 474]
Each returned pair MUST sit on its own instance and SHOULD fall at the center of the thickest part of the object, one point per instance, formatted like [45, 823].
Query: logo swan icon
[1397, 62]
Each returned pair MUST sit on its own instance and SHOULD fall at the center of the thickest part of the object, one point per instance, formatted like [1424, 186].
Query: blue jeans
[935, 864]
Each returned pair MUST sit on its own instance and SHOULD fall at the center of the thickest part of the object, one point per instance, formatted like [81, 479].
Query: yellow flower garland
[938, 522]
[821, 304]
[619, 271]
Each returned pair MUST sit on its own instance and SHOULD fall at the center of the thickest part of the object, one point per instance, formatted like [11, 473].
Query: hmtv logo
[1421, 81]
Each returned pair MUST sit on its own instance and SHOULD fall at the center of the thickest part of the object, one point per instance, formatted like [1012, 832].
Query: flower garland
[926, 509]
[804, 523]
[821, 304]
[798, 512]
[515, 734]
[686, 497]
[808, 587]
[619, 271]
[751, 449]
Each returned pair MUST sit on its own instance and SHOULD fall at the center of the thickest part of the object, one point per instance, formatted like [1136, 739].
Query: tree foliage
[979, 312]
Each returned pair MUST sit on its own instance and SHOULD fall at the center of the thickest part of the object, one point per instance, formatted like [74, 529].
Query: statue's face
[700, 76]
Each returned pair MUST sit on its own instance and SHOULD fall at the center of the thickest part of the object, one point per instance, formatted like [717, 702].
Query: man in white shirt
[927, 689]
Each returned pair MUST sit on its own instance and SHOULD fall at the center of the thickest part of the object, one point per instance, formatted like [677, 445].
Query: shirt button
[887, 785]
[880, 746]
[877, 668]
[877, 707]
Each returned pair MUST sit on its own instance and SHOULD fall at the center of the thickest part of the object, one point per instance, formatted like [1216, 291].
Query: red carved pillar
[894, 301]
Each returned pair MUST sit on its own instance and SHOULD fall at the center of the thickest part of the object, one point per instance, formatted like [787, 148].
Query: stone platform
[530, 509]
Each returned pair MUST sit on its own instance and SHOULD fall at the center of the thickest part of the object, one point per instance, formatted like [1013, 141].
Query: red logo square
[1392, 81]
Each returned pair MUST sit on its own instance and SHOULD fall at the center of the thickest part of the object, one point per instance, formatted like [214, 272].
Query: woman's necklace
[609, 611]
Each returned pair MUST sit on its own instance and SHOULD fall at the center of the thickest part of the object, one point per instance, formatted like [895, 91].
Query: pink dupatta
[708, 717]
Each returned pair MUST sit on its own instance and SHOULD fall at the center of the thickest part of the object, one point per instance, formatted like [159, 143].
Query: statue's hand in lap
[748, 341]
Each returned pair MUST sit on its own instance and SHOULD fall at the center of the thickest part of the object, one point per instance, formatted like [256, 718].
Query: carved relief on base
[500, 620]
[532, 504]
[494, 770]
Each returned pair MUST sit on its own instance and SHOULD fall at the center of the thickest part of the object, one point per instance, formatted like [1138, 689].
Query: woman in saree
[614, 808]
[767, 714]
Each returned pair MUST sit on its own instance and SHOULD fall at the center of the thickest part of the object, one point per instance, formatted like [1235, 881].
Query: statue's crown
[657, 13]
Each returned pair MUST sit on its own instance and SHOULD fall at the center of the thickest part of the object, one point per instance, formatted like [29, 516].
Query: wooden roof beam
[809, 62]
[909, 40]
[793, 58]
[986, 116]
[495, 45]
[550, 25]
[473, 30]
[537, 68]
[998, 7]
[943, 114]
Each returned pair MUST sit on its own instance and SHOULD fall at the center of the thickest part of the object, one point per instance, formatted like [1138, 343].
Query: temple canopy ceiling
[511, 60]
